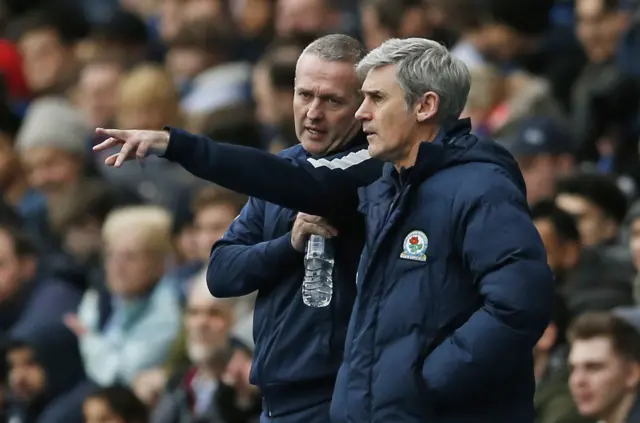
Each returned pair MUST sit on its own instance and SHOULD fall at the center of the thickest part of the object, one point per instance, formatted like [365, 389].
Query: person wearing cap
[544, 149]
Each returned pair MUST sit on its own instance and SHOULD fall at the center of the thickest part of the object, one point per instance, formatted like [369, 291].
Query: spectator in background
[498, 104]
[130, 327]
[273, 86]
[560, 237]
[600, 25]
[29, 300]
[52, 145]
[306, 17]
[384, 19]
[115, 404]
[633, 220]
[147, 98]
[605, 368]
[97, 90]
[553, 401]
[46, 380]
[544, 150]
[201, 60]
[208, 324]
[123, 34]
[47, 41]
[597, 204]
[13, 179]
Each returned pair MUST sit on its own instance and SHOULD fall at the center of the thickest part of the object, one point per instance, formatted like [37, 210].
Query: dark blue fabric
[445, 340]
[448, 339]
[298, 349]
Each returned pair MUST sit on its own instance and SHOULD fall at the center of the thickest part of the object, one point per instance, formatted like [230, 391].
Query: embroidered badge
[415, 246]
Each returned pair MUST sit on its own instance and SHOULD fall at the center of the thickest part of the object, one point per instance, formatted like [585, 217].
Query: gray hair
[336, 48]
[423, 65]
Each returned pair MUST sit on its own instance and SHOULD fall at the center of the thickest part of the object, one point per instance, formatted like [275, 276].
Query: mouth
[315, 132]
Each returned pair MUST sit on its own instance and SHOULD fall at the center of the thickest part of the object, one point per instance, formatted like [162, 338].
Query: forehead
[590, 7]
[381, 79]
[572, 204]
[592, 350]
[323, 76]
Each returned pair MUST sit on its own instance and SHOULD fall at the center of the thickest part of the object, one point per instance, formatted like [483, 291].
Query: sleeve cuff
[282, 250]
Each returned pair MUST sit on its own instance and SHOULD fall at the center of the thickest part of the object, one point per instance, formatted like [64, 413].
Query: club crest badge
[415, 246]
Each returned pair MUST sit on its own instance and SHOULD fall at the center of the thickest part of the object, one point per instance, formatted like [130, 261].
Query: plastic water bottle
[317, 287]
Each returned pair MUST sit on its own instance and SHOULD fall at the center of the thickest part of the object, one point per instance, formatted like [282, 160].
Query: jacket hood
[454, 145]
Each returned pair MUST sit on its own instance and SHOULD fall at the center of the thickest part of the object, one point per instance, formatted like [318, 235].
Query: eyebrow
[373, 93]
[324, 96]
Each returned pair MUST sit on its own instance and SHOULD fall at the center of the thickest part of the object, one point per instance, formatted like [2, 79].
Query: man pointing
[453, 286]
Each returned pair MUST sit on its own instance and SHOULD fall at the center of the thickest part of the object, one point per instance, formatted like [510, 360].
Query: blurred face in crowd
[9, 161]
[325, 100]
[502, 42]
[274, 107]
[594, 226]
[373, 31]
[600, 377]
[208, 322]
[561, 255]
[303, 16]
[194, 10]
[253, 16]
[211, 223]
[50, 169]
[97, 92]
[14, 270]
[540, 173]
[26, 377]
[97, 410]
[170, 19]
[634, 243]
[392, 128]
[132, 265]
[185, 63]
[45, 59]
[599, 29]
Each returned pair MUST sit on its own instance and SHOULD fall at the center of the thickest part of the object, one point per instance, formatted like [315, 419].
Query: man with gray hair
[453, 286]
[298, 349]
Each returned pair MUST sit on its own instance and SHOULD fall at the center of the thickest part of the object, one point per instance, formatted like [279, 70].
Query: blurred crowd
[105, 315]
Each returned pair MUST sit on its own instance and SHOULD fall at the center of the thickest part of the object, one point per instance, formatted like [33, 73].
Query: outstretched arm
[324, 187]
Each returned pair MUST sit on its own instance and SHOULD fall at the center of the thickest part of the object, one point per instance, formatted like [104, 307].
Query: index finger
[115, 133]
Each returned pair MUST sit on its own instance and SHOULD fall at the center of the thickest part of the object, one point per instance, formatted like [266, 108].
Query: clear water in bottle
[317, 287]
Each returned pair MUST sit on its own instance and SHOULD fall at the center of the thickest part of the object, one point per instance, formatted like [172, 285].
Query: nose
[315, 110]
[363, 113]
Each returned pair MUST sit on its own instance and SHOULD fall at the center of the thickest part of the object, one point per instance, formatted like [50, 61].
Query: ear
[548, 338]
[28, 268]
[632, 380]
[571, 254]
[427, 106]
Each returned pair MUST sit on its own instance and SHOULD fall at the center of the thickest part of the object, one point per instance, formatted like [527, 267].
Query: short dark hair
[563, 223]
[213, 38]
[9, 121]
[624, 337]
[279, 60]
[23, 245]
[124, 403]
[598, 189]
[123, 28]
[64, 17]
[391, 12]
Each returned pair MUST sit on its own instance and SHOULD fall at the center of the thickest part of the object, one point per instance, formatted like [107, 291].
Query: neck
[207, 372]
[620, 412]
[540, 365]
[16, 190]
[410, 157]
